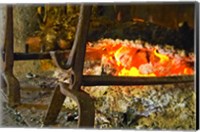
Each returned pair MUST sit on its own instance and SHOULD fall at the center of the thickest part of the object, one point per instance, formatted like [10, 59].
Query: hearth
[122, 62]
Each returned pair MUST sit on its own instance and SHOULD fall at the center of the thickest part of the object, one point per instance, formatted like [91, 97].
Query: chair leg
[54, 107]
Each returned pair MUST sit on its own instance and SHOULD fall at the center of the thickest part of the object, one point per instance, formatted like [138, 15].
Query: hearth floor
[36, 94]
[168, 107]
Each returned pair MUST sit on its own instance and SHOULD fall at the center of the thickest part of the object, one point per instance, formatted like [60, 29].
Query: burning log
[126, 58]
[136, 62]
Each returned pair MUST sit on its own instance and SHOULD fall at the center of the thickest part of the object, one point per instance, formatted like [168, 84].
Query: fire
[163, 58]
[133, 72]
[125, 58]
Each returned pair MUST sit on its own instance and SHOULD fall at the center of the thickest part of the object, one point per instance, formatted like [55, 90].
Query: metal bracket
[13, 87]
[76, 63]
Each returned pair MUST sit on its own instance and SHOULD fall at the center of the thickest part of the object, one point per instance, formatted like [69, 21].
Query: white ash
[62, 75]
[146, 68]
[148, 106]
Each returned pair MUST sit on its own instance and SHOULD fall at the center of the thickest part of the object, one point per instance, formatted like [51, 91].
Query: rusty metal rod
[31, 56]
[35, 56]
[9, 40]
[13, 86]
[85, 104]
[116, 80]
[77, 55]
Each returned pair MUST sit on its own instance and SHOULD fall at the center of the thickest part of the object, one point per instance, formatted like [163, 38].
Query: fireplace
[120, 61]
[113, 54]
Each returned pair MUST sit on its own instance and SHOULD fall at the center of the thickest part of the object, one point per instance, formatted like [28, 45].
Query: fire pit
[126, 58]
[121, 62]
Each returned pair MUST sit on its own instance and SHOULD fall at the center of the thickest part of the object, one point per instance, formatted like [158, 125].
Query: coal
[180, 38]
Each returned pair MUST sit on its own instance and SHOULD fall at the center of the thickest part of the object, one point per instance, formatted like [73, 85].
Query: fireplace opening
[139, 65]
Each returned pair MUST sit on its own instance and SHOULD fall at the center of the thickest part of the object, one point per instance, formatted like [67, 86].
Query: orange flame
[163, 58]
[127, 59]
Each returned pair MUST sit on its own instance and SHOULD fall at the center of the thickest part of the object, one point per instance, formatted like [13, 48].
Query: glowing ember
[126, 58]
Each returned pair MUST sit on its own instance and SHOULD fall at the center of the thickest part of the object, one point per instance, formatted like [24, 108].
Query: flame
[129, 59]
[133, 72]
[163, 58]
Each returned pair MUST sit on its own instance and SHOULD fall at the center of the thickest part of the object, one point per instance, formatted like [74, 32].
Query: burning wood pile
[128, 58]
[138, 107]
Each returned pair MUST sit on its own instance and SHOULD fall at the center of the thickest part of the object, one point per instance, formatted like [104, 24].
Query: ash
[170, 106]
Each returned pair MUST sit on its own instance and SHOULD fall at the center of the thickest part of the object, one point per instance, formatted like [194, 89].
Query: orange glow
[163, 58]
[133, 72]
[129, 59]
